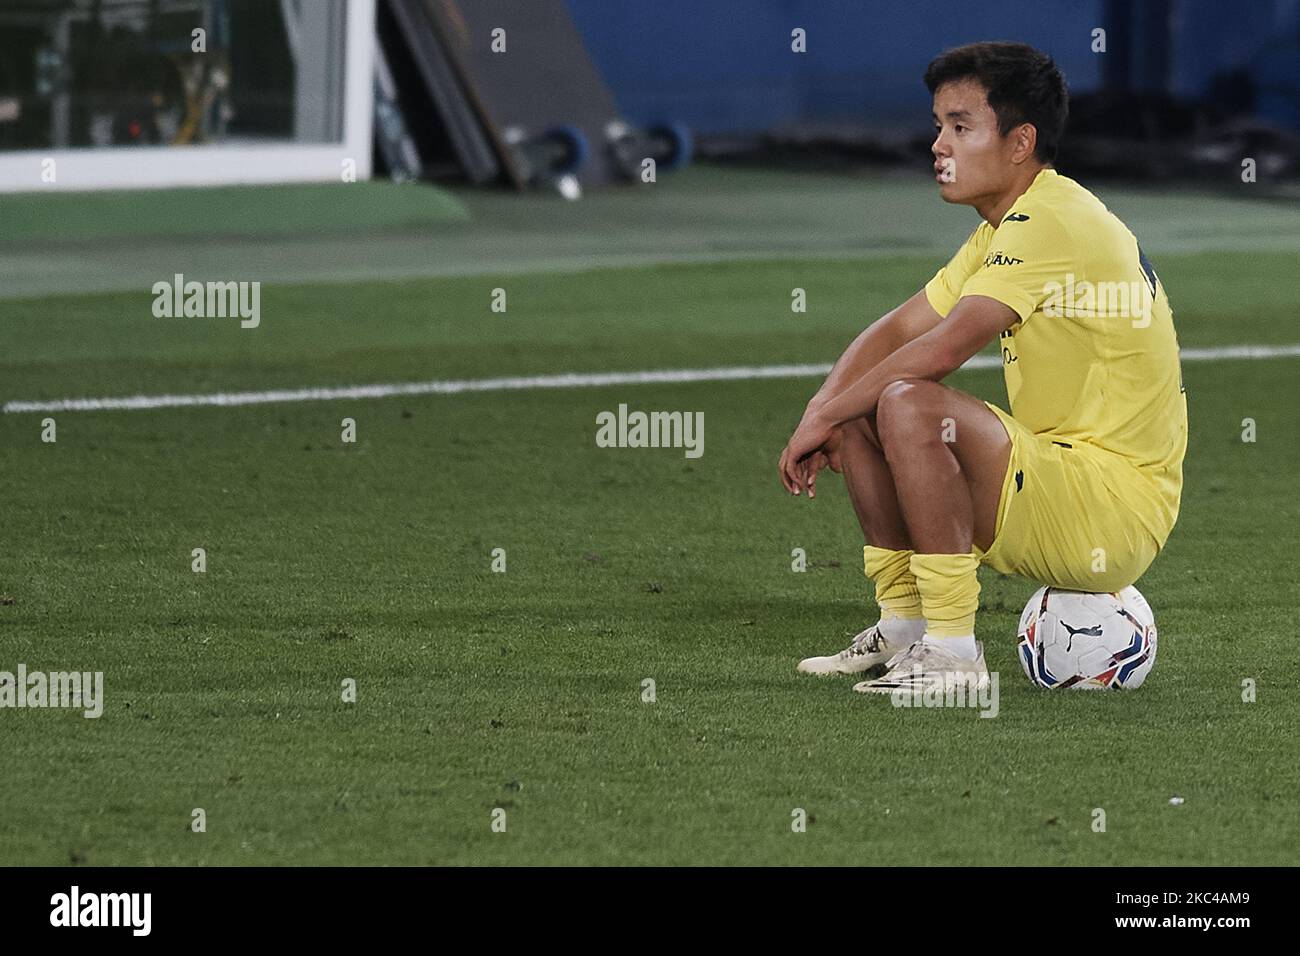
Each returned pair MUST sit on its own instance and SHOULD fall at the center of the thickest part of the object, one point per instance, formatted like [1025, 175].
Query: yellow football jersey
[1093, 356]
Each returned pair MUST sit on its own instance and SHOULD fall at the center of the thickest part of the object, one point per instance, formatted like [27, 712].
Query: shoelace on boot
[867, 643]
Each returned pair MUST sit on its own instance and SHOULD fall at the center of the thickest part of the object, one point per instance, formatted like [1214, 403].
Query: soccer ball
[1087, 641]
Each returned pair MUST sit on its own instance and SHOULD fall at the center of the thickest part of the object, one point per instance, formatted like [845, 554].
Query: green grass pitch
[523, 691]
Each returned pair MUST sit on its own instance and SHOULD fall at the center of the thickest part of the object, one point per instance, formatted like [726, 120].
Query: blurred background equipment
[509, 89]
[544, 92]
[447, 133]
[254, 90]
[134, 72]
[393, 143]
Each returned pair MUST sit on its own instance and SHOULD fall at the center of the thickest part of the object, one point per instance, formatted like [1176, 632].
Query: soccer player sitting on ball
[1079, 485]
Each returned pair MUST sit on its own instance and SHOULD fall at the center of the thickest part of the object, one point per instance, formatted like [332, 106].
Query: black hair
[1022, 86]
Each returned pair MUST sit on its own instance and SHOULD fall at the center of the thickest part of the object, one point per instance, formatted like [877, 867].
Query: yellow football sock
[950, 592]
[896, 591]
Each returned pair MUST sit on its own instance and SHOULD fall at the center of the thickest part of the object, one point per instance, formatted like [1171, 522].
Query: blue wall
[1262, 37]
[726, 65]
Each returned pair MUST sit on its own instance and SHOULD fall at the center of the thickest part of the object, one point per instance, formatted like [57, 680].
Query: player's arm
[879, 340]
[975, 321]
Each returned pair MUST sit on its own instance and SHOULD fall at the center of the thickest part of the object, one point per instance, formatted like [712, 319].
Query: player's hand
[828, 456]
[813, 446]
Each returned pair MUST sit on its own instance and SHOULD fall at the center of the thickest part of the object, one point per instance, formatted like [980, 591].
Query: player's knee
[903, 410]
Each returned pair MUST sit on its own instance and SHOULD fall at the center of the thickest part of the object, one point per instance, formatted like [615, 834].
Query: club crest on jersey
[1001, 259]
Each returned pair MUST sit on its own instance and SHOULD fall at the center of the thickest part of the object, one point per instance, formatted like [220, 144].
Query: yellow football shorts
[1067, 515]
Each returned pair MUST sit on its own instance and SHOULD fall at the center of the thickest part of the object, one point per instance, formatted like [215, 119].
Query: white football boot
[869, 648]
[924, 665]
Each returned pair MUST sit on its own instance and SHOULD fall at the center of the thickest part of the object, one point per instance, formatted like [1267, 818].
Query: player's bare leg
[871, 490]
[948, 455]
[871, 487]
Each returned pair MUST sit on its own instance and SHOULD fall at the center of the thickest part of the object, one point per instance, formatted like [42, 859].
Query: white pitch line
[519, 383]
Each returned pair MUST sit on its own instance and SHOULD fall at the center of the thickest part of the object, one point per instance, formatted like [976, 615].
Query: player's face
[972, 160]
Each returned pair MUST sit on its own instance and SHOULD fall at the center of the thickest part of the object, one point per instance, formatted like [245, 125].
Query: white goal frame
[145, 167]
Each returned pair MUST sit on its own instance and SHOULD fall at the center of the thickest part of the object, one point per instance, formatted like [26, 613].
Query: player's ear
[1025, 138]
